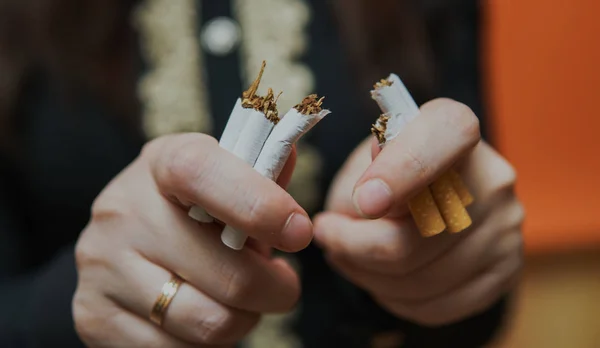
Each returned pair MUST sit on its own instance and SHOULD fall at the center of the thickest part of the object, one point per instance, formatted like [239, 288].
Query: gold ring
[169, 290]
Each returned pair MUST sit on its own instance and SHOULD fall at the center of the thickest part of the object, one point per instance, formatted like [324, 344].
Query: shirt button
[220, 36]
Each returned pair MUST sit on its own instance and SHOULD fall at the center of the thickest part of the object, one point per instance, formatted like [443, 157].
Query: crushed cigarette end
[310, 105]
[249, 95]
[378, 129]
[267, 104]
[383, 83]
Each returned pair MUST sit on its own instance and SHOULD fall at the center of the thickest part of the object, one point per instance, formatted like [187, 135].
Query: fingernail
[372, 199]
[297, 233]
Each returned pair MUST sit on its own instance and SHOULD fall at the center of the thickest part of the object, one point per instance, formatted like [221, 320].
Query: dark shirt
[67, 152]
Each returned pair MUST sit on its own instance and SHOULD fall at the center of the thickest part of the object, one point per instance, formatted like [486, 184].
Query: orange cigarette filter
[426, 214]
[450, 205]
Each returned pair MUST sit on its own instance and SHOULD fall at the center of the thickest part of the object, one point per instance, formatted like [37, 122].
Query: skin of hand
[140, 234]
[369, 237]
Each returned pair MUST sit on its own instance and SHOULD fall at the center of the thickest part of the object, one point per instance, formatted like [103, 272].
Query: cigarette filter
[453, 211]
[426, 214]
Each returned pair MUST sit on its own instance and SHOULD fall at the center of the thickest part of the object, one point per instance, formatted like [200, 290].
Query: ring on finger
[168, 292]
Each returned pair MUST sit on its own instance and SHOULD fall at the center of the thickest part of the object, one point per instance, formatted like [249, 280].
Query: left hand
[370, 238]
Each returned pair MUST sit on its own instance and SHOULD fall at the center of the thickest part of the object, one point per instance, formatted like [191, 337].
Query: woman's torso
[69, 149]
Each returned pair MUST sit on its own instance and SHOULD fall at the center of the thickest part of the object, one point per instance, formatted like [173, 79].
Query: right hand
[140, 234]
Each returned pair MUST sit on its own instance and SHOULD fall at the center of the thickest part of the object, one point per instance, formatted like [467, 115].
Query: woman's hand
[370, 238]
[140, 235]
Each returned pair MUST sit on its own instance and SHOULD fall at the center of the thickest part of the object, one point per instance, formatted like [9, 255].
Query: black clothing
[69, 152]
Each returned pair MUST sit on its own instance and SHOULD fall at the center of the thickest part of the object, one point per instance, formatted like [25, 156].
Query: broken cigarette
[249, 126]
[277, 149]
[440, 206]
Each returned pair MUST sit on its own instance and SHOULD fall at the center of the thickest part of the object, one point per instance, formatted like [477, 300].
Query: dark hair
[89, 43]
[85, 43]
[387, 36]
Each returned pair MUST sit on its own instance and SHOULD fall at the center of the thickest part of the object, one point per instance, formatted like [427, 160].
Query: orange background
[542, 60]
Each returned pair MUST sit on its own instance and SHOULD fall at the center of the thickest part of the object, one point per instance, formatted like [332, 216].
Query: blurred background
[543, 83]
[541, 88]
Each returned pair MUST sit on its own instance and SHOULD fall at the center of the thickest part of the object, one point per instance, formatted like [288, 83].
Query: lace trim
[173, 93]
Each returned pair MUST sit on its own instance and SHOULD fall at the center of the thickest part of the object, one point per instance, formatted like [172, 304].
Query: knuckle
[415, 164]
[85, 322]
[253, 214]
[506, 176]
[518, 214]
[187, 160]
[111, 205]
[85, 253]
[97, 248]
[82, 254]
[386, 253]
[462, 118]
[510, 173]
[237, 284]
[213, 328]
[181, 168]
[503, 179]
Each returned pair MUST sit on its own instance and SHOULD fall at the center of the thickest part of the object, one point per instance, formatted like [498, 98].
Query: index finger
[443, 132]
[390, 247]
[193, 169]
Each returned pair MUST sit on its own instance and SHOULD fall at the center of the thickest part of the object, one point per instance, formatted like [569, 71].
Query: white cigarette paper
[273, 157]
[248, 148]
[253, 136]
[236, 123]
[278, 147]
[397, 104]
[247, 129]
